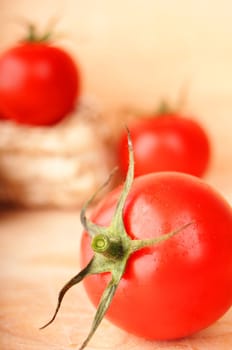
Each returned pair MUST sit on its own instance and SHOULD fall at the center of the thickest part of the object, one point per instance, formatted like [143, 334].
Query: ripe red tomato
[39, 83]
[182, 285]
[166, 143]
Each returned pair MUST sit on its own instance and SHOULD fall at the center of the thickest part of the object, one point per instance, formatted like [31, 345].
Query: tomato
[178, 287]
[39, 83]
[156, 255]
[168, 142]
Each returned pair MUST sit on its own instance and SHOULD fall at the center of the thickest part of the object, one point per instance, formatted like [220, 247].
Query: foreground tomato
[157, 256]
[167, 142]
[182, 285]
[39, 83]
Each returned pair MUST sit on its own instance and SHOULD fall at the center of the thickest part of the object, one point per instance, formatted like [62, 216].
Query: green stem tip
[110, 247]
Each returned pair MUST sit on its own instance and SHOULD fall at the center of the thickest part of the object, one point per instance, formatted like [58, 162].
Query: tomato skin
[39, 83]
[168, 142]
[183, 285]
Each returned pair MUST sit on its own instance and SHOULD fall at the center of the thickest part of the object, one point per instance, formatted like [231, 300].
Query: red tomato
[166, 143]
[182, 285]
[39, 83]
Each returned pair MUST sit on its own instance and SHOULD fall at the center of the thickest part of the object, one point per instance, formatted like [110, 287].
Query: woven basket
[56, 166]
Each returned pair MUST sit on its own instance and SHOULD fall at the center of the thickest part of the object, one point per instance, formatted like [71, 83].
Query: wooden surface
[38, 254]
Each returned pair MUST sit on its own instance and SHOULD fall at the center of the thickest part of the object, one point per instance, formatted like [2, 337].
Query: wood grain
[39, 253]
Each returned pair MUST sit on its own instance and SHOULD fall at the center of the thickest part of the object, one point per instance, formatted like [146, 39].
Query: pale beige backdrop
[136, 50]
[132, 53]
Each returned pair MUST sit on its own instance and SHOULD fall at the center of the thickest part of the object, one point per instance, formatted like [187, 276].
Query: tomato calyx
[167, 108]
[164, 108]
[112, 248]
[34, 37]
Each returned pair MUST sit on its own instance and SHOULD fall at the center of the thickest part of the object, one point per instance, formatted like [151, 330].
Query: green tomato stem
[112, 248]
[34, 37]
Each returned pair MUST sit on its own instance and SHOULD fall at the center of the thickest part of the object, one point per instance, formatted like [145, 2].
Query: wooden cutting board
[38, 254]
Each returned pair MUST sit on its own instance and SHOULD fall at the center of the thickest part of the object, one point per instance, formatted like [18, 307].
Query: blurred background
[134, 53]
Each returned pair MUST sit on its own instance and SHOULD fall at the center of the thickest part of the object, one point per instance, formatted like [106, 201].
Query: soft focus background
[136, 51]
[132, 54]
